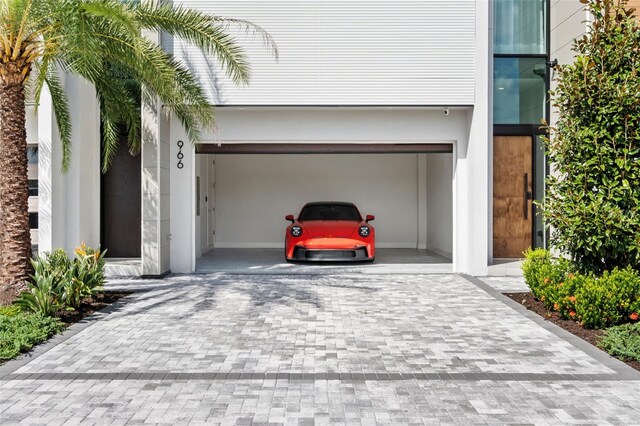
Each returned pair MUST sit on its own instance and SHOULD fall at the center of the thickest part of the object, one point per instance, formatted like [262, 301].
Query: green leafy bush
[89, 270]
[554, 275]
[622, 341]
[534, 262]
[593, 198]
[9, 311]
[597, 302]
[20, 331]
[43, 297]
[56, 264]
[608, 300]
[546, 276]
[62, 283]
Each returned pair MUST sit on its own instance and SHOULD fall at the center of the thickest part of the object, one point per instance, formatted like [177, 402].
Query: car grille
[300, 253]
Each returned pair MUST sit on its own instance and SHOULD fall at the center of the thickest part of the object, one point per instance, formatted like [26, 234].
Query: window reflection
[519, 90]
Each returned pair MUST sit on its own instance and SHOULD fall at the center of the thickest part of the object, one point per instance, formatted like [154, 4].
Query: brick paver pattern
[315, 349]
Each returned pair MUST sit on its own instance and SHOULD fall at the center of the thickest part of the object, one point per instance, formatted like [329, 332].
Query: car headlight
[364, 231]
[296, 231]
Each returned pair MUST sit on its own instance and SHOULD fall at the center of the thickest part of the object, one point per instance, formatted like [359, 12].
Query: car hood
[330, 228]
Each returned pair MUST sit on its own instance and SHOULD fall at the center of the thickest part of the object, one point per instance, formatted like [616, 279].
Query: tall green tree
[102, 42]
[593, 197]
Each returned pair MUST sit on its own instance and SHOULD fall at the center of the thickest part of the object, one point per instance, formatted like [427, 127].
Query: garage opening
[243, 193]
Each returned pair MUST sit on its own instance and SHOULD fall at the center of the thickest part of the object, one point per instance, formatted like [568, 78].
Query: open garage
[409, 167]
[242, 199]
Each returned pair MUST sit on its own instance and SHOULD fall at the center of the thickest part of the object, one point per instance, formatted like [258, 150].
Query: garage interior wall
[255, 192]
[439, 204]
[205, 169]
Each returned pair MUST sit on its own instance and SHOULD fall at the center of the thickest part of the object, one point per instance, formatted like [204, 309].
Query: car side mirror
[290, 218]
[369, 218]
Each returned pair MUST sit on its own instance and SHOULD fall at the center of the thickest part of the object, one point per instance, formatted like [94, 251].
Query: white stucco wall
[339, 125]
[439, 204]
[69, 203]
[568, 22]
[255, 192]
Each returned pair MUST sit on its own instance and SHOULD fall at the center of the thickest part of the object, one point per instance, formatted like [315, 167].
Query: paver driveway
[304, 349]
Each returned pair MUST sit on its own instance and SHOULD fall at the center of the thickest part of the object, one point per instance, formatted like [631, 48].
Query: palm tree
[103, 42]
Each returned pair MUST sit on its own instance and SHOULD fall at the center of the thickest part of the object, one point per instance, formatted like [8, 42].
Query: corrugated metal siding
[351, 52]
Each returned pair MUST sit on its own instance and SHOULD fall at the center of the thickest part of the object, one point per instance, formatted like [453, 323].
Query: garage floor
[262, 261]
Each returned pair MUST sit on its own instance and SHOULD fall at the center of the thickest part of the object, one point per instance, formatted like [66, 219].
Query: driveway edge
[623, 370]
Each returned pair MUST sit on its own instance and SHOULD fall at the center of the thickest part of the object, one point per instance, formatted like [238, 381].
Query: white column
[472, 177]
[156, 238]
[183, 214]
[155, 190]
[69, 203]
[82, 180]
[51, 189]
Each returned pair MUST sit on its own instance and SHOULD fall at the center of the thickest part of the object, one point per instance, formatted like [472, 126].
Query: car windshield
[330, 212]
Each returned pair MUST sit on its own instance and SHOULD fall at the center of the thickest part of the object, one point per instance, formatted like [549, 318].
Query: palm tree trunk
[15, 239]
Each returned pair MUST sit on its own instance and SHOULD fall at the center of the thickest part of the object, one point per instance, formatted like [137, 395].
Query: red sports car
[330, 231]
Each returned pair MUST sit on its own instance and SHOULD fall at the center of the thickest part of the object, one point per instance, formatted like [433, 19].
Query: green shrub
[62, 283]
[534, 261]
[547, 277]
[20, 331]
[622, 341]
[88, 271]
[608, 300]
[9, 311]
[593, 198]
[566, 303]
[56, 263]
[43, 297]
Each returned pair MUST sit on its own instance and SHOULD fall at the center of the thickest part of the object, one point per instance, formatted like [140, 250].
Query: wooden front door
[512, 195]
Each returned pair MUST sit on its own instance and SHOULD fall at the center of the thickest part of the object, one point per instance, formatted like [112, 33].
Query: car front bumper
[330, 255]
[331, 250]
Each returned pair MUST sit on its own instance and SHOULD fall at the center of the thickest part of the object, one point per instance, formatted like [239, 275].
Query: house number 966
[180, 155]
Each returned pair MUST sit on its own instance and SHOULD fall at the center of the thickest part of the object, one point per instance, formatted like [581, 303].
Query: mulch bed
[591, 336]
[90, 306]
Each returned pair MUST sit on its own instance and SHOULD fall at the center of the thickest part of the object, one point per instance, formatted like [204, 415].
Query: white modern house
[424, 113]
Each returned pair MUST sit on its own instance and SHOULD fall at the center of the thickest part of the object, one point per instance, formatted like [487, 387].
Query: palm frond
[102, 42]
[60, 105]
[204, 31]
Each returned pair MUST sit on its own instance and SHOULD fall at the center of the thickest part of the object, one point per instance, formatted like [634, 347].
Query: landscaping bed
[88, 307]
[62, 291]
[20, 331]
[592, 336]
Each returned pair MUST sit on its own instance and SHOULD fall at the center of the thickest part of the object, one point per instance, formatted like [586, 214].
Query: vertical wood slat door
[512, 188]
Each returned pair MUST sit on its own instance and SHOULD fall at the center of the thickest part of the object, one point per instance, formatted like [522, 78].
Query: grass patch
[19, 331]
[622, 341]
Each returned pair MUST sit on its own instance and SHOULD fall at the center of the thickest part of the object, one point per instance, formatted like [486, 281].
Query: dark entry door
[512, 195]
[121, 205]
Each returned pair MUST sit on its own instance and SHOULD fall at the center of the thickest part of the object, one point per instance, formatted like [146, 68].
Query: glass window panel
[32, 154]
[33, 220]
[33, 188]
[520, 26]
[519, 90]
